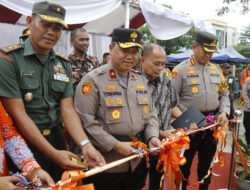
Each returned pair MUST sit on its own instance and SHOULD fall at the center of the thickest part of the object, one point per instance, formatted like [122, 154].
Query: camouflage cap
[127, 38]
[50, 12]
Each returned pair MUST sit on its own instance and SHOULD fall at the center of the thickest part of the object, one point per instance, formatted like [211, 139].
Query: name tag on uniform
[61, 77]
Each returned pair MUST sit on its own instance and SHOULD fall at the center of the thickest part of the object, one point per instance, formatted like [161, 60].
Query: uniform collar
[29, 50]
[114, 75]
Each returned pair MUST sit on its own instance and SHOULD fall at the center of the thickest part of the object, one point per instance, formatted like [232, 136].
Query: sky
[206, 9]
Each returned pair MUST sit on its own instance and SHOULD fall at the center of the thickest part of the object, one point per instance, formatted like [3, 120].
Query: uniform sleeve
[8, 84]
[245, 93]
[69, 91]
[152, 125]
[224, 102]
[86, 103]
[14, 144]
[174, 96]
[177, 78]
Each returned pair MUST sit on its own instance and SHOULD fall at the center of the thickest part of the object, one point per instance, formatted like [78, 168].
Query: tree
[236, 3]
[173, 45]
[246, 32]
[243, 50]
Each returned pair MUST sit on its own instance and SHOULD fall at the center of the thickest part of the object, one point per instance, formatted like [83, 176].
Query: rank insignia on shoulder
[140, 87]
[62, 56]
[168, 73]
[174, 73]
[116, 114]
[87, 87]
[111, 88]
[112, 74]
[10, 48]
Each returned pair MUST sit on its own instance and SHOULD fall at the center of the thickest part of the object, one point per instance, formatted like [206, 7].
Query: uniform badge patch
[87, 87]
[119, 101]
[194, 81]
[116, 114]
[191, 72]
[174, 73]
[140, 87]
[190, 67]
[145, 109]
[212, 67]
[144, 100]
[112, 74]
[111, 101]
[214, 72]
[132, 75]
[194, 89]
[111, 88]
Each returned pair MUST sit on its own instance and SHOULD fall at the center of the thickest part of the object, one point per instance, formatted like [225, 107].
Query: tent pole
[126, 4]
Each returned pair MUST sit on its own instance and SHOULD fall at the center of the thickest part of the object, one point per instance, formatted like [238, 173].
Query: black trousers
[231, 115]
[154, 175]
[57, 140]
[204, 143]
[246, 123]
[120, 181]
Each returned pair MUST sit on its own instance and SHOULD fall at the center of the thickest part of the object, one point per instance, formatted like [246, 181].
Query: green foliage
[234, 3]
[240, 170]
[173, 45]
[243, 50]
[246, 32]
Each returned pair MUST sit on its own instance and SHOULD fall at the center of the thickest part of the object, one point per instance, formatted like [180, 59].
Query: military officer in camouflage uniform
[201, 84]
[114, 104]
[36, 90]
[81, 63]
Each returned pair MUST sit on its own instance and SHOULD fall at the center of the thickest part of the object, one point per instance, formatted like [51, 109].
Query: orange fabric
[244, 76]
[69, 181]
[170, 158]
[12, 142]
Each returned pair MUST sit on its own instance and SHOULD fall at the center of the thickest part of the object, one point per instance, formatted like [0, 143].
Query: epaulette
[10, 48]
[62, 56]
[6, 57]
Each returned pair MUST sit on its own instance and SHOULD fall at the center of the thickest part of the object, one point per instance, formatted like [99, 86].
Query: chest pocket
[28, 80]
[58, 86]
[115, 108]
[143, 101]
[215, 84]
[193, 86]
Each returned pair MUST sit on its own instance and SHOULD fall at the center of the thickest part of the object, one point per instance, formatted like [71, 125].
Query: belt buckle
[46, 132]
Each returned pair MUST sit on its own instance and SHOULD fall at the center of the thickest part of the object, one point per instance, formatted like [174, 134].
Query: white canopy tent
[99, 18]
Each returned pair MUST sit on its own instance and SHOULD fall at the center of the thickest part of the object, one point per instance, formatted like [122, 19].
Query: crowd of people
[102, 106]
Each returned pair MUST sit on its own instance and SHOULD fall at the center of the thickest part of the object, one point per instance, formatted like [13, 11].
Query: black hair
[73, 32]
[105, 54]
